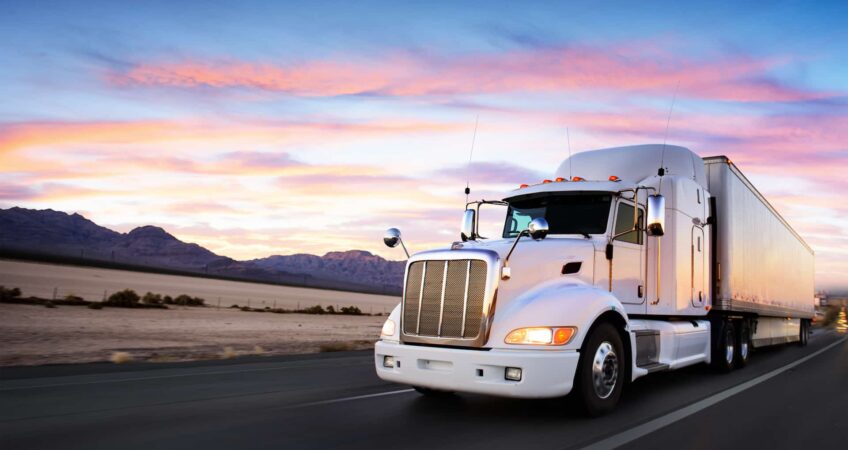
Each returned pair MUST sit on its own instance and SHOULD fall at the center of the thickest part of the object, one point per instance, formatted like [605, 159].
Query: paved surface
[336, 401]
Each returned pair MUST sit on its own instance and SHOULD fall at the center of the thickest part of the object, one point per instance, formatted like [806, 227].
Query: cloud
[487, 173]
[539, 68]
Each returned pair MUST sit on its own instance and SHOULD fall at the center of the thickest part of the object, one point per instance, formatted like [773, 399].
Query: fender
[555, 303]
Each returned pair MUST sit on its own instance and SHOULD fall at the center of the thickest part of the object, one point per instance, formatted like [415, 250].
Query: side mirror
[392, 239]
[467, 228]
[656, 215]
[538, 229]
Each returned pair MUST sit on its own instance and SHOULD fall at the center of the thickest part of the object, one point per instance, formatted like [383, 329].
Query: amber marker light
[546, 181]
[563, 335]
[560, 179]
[523, 186]
[578, 179]
[540, 336]
[614, 178]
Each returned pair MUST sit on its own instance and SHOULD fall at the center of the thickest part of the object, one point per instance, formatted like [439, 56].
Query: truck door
[697, 264]
[628, 256]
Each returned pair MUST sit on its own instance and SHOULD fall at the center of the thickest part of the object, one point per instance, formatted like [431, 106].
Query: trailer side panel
[764, 266]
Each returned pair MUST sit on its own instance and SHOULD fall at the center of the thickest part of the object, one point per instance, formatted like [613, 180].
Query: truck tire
[600, 372]
[723, 354]
[743, 344]
[805, 334]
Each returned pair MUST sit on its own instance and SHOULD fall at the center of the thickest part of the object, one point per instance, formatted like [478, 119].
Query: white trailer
[629, 260]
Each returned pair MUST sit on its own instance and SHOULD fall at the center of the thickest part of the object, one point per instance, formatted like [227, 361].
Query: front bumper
[545, 373]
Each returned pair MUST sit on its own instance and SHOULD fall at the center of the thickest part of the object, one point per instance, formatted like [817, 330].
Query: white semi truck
[628, 261]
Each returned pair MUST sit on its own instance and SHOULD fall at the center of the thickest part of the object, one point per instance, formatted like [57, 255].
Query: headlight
[541, 336]
[388, 328]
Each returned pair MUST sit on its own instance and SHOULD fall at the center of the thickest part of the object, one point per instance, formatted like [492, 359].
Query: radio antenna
[570, 163]
[470, 155]
[661, 172]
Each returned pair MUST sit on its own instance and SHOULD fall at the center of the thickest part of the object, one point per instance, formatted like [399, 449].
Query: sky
[260, 128]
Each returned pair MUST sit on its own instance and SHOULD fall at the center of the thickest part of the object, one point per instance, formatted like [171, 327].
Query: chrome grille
[444, 298]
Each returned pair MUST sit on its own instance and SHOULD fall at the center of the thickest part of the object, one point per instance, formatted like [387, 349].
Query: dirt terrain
[33, 334]
[94, 284]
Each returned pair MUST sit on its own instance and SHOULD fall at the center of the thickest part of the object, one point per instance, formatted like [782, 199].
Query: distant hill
[58, 234]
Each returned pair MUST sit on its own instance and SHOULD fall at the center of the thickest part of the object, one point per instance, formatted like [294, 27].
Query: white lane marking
[663, 421]
[358, 397]
[161, 377]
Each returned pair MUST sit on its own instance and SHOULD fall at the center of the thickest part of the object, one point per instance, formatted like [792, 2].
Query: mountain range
[72, 236]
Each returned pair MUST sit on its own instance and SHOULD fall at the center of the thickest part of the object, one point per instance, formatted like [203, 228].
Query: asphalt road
[336, 401]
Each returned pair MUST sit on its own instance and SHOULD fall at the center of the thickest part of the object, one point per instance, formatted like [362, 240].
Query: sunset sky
[259, 128]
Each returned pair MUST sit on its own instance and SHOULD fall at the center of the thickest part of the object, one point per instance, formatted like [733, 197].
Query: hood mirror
[538, 229]
[392, 239]
[656, 215]
[467, 228]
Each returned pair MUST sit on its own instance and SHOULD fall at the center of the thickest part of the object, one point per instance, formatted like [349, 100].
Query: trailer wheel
[805, 334]
[600, 374]
[743, 344]
[725, 349]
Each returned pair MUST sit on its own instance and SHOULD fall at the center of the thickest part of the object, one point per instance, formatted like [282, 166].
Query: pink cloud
[539, 70]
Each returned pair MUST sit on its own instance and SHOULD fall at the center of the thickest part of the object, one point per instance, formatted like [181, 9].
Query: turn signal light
[563, 335]
[578, 179]
[541, 336]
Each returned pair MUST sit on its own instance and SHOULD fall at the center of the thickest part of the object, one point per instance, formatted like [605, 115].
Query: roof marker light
[578, 179]
[560, 179]
[523, 186]
[614, 178]
[546, 181]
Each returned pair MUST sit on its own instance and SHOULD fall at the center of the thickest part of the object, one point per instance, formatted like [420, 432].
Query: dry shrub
[228, 353]
[120, 357]
[126, 299]
[258, 350]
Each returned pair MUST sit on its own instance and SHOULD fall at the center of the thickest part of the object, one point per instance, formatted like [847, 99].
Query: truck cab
[602, 274]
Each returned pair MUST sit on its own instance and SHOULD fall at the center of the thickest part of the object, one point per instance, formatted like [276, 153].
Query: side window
[624, 222]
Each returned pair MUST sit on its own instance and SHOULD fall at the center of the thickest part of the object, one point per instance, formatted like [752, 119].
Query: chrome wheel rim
[743, 349]
[605, 370]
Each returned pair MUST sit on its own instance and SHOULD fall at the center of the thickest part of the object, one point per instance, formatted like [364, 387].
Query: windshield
[566, 214]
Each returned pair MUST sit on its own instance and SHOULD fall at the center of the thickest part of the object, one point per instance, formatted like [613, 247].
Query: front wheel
[600, 375]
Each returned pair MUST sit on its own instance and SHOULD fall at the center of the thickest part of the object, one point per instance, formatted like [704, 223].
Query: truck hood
[536, 262]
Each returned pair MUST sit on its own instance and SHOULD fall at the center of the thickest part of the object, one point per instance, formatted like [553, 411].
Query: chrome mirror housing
[467, 228]
[656, 215]
[538, 228]
[392, 239]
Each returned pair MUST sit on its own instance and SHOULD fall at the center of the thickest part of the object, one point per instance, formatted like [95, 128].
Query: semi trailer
[628, 261]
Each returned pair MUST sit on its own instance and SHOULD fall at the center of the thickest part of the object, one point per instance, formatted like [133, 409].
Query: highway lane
[336, 401]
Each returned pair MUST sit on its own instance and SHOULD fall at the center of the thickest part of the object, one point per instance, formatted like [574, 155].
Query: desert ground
[33, 334]
[41, 280]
